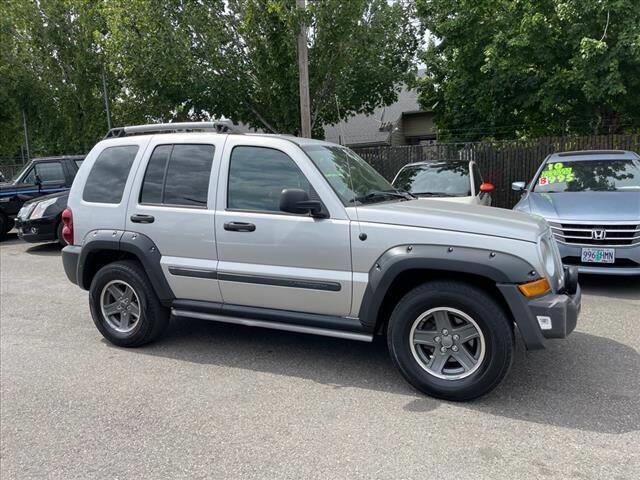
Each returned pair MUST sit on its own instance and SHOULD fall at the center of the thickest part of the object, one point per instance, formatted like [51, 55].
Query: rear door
[173, 203]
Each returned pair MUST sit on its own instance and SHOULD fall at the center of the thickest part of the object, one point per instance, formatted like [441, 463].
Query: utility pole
[106, 98]
[303, 69]
[26, 134]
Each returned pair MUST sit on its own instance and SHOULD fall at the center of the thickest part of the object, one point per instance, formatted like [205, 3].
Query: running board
[362, 337]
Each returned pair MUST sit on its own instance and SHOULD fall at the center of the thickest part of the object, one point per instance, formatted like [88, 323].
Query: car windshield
[589, 176]
[16, 176]
[353, 179]
[444, 179]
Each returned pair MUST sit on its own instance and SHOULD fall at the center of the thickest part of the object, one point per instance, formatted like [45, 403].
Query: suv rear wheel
[124, 306]
[450, 340]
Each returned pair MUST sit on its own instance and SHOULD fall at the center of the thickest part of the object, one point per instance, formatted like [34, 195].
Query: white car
[457, 181]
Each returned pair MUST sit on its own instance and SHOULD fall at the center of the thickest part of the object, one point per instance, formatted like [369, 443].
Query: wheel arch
[402, 268]
[102, 247]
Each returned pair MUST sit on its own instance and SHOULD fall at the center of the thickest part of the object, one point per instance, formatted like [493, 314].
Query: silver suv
[302, 235]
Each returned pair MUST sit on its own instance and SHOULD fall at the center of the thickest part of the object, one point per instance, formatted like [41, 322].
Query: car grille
[596, 234]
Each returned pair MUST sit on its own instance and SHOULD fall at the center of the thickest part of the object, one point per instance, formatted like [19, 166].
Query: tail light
[67, 229]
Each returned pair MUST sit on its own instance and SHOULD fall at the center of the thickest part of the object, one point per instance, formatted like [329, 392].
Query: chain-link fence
[501, 163]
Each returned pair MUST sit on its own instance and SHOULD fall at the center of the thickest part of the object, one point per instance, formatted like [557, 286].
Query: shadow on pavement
[11, 239]
[611, 286]
[585, 382]
[45, 249]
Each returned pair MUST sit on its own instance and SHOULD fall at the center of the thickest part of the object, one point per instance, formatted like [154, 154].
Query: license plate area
[598, 255]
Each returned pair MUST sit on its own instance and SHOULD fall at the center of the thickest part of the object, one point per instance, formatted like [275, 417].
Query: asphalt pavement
[220, 401]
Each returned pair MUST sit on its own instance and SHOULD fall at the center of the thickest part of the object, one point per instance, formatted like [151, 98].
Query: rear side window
[178, 175]
[257, 176]
[109, 174]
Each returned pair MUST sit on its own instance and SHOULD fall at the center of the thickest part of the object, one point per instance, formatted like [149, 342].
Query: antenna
[362, 236]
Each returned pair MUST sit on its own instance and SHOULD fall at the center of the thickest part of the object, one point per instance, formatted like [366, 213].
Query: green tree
[181, 59]
[513, 68]
[50, 69]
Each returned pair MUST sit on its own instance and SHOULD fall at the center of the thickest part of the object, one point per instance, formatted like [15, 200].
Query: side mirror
[294, 200]
[518, 186]
[487, 187]
[38, 181]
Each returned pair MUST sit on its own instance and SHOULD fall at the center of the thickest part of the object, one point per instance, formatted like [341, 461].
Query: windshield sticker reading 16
[556, 173]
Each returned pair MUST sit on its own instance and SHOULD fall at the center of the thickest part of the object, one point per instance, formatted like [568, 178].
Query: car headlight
[41, 207]
[551, 261]
[26, 210]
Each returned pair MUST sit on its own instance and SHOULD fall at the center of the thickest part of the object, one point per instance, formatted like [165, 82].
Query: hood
[437, 214]
[593, 206]
[61, 195]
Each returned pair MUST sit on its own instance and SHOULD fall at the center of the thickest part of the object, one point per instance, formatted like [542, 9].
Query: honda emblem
[598, 234]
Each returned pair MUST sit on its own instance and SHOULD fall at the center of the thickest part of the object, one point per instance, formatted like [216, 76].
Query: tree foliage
[505, 68]
[172, 60]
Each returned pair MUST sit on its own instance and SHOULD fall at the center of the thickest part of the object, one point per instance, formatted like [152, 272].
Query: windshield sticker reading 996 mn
[556, 173]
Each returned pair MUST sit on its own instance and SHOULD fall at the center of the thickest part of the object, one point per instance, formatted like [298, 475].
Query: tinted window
[178, 175]
[446, 179]
[50, 172]
[30, 178]
[258, 175]
[187, 180]
[109, 174]
[154, 176]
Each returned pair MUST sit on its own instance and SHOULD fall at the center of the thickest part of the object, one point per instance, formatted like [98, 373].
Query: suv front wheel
[124, 305]
[450, 340]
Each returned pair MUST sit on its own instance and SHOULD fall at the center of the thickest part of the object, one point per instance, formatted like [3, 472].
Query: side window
[257, 176]
[178, 175]
[30, 177]
[108, 176]
[78, 163]
[50, 172]
[477, 178]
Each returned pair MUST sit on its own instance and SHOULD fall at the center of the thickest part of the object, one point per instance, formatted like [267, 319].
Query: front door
[173, 202]
[272, 259]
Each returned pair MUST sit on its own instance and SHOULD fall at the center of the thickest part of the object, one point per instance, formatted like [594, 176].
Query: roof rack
[221, 126]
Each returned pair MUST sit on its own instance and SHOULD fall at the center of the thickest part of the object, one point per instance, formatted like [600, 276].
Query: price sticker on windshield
[556, 173]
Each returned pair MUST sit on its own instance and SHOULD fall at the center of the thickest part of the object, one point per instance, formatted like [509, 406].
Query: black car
[41, 176]
[40, 220]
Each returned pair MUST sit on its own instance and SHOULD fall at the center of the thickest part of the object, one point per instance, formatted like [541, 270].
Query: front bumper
[38, 230]
[627, 260]
[553, 315]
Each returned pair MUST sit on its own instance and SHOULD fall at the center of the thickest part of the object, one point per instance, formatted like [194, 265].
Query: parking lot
[222, 401]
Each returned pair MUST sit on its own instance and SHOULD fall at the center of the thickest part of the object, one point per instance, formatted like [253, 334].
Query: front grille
[597, 234]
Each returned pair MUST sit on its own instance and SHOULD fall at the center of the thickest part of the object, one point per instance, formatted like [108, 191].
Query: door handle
[139, 218]
[239, 227]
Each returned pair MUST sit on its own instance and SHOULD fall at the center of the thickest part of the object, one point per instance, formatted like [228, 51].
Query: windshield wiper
[434, 194]
[382, 194]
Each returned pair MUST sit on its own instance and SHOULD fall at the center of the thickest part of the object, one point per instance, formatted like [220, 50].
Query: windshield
[447, 179]
[364, 185]
[589, 176]
[14, 179]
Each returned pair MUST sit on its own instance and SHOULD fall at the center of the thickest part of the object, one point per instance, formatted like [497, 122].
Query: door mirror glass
[487, 187]
[518, 186]
[294, 200]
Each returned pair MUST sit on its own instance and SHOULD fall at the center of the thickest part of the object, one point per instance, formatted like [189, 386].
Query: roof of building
[377, 127]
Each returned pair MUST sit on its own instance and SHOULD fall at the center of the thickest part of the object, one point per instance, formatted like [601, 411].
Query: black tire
[153, 319]
[61, 241]
[495, 327]
[3, 227]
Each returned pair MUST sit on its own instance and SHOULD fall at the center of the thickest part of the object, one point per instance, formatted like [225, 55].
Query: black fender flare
[134, 243]
[499, 267]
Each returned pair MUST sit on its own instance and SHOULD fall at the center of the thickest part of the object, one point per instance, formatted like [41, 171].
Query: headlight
[547, 257]
[41, 207]
[26, 210]
[551, 261]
